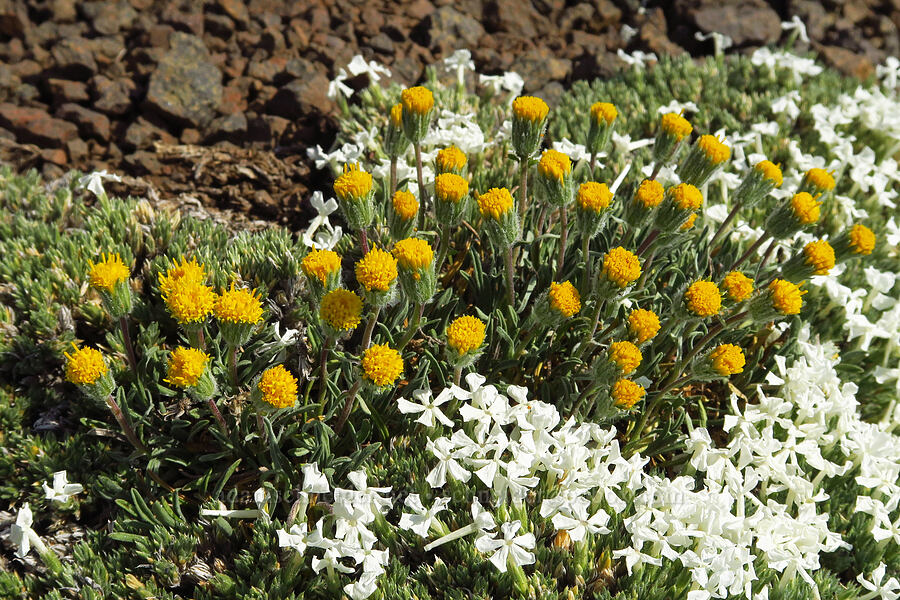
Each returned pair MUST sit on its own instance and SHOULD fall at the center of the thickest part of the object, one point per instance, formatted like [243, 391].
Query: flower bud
[355, 192]
[418, 104]
[705, 157]
[415, 260]
[465, 341]
[603, 121]
[500, 218]
[528, 124]
[673, 128]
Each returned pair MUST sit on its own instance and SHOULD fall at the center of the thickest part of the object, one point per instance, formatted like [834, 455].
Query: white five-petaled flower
[294, 538]
[637, 58]
[886, 590]
[512, 548]
[422, 519]
[427, 406]
[314, 482]
[93, 182]
[23, 536]
[61, 489]
[459, 62]
[796, 23]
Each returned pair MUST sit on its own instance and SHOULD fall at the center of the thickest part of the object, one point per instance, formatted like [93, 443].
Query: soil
[149, 88]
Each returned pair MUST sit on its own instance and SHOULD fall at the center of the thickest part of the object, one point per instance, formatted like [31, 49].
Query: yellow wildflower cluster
[621, 267]
[186, 366]
[805, 208]
[593, 196]
[650, 193]
[787, 298]
[377, 270]
[727, 359]
[554, 165]
[703, 298]
[382, 365]
[676, 125]
[342, 309]
[495, 203]
[108, 272]
[820, 179]
[183, 271]
[450, 159]
[626, 355]
[862, 240]
[465, 334]
[413, 253]
[397, 115]
[417, 100]
[319, 264]
[239, 306]
[604, 112]
[353, 184]
[770, 171]
[278, 387]
[405, 204]
[714, 150]
[643, 324]
[85, 366]
[564, 298]
[530, 108]
[686, 196]
[689, 223]
[820, 256]
[738, 286]
[626, 393]
[450, 187]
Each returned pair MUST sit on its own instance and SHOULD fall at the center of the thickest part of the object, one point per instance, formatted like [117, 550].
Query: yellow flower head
[405, 204]
[643, 324]
[787, 298]
[727, 359]
[820, 256]
[319, 264]
[190, 301]
[450, 159]
[465, 334]
[353, 184]
[450, 187]
[342, 309]
[805, 207]
[397, 115]
[530, 108]
[181, 271]
[382, 365]
[186, 366]
[85, 366]
[377, 270]
[278, 387]
[689, 223]
[862, 239]
[738, 286]
[413, 253]
[239, 306]
[604, 112]
[621, 267]
[649, 193]
[593, 196]
[417, 100]
[626, 355]
[820, 179]
[770, 171]
[703, 298]
[676, 125]
[495, 203]
[554, 165]
[564, 298]
[108, 272]
[686, 196]
[626, 393]
[715, 151]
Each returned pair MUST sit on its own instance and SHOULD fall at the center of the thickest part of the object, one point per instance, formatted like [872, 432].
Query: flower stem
[127, 429]
[750, 250]
[348, 405]
[648, 241]
[232, 366]
[510, 289]
[393, 175]
[445, 247]
[593, 162]
[586, 274]
[422, 198]
[457, 375]
[560, 260]
[129, 348]
[370, 328]
[413, 327]
[724, 226]
[364, 241]
[323, 373]
[523, 191]
[218, 415]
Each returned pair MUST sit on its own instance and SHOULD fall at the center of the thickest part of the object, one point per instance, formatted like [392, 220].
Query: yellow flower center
[806, 208]
[738, 286]
[604, 112]
[770, 171]
[278, 387]
[450, 159]
[319, 264]
[190, 301]
[676, 125]
[377, 270]
[686, 196]
[554, 165]
[820, 256]
[862, 239]
[342, 309]
[417, 100]
[626, 393]
[626, 355]
[450, 187]
[413, 253]
[714, 150]
[495, 203]
[353, 184]
[382, 365]
[787, 298]
[649, 193]
[239, 306]
[593, 196]
[186, 366]
[564, 298]
[405, 204]
[689, 223]
[820, 179]
[643, 324]
[465, 334]
[181, 271]
[108, 272]
[85, 366]
[727, 359]
[530, 108]
[397, 115]
[621, 267]
[703, 298]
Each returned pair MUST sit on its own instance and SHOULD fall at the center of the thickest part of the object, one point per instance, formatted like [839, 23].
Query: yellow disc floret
[108, 272]
[770, 171]
[820, 256]
[530, 108]
[190, 301]
[593, 196]
[239, 306]
[181, 271]
[320, 264]
[643, 324]
[676, 125]
[450, 187]
[186, 366]
[689, 223]
[604, 112]
[626, 393]
[353, 184]
[465, 334]
[862, 239]
[714, 150]
[417, 100]
[626, 355]
[621, 267]
[413, 253]
[85, 366]
[377, 270]
[397, 115]
[450, 159]
[727, 359]
[278, 387]
[405, 204]
[554, 165]
[805, 207]
[820, 179]
[787, 298]
[703, 298]
[738, 286]
[686, 196]
[649, 193]
[342, 309]
[382, 365]
[564, 298]
[495, 203]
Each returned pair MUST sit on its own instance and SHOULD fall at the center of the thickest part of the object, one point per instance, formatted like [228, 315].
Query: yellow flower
[184, 271]
[787, 298]
[770, 171]
[604, 111]
[820, 256]
[530, 108]
[626, 393]
[626, 355]
[862, 240]
[413, 253]
[342, 309]
[593, 196]
[727, 359]
[643, 324]
[689, 223]
[239, 306]
[686, 196]
[278, 387]
[621, 267]
[190, 301]
[676, 125]
[495, 203]
[805, 207]
[465, 334]
[377, 270]
[405, 204]
[417, 100]
[554, 165]
[738, 286]
[450, 187]
[108, 272]
[382, 365]
[319, 264]
[564, 298]
[186, 366]
[703, 298]
[450, 159]
[715, 151]
[649, 193]
[353, 184]
[85, 366]
[397, 115]
[820, 179]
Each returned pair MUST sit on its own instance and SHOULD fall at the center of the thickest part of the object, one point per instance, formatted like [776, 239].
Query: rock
[233, 99]
[63, 11]
[300, 97]
[654, 33]
[90, 123]
[64, 90]
[109, 18]
[539, 67]
[382, 43]
[112, 96]
[744, 21]
[34, 126]
[186, 85]
[227, 128]
[143, 163]
[608, 15]
[13, 18]
[57, 156]
[237, 10]
[77, 149]
[142, 133]
[74, 58]
[847, 62]
[219, 26]
[449, 30]
[190, 136]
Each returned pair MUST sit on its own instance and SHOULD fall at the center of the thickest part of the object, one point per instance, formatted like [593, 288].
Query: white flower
[721, 42]
[574, 151]
[442, 449]
[364, 587]
[796, 23]
[512, 548]
[20, 532]
[578, 523]
[459, 62]
[379, 503]
[422, 519]
[427, 406]
[314, 482]
[289, 337]
[510, 81]
[889, 590]
[93, 182]
[637, 58]
[677, 107]
[61, 489]
[889, 72]
[294, 538]
[358, 66]
[788, 105]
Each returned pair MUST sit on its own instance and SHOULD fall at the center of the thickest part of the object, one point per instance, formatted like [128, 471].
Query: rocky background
[145, 88]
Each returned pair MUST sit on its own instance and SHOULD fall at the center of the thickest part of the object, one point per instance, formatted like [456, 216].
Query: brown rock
[109, 18]
[233, 100]
[77, 149]
[744, 21]
[816, 18]
[34, 126]
[237, 10]
[219, 26]
[142, 133]
[449, 29]
[300, 97]
[13, 18]
[191, 136]
[90, 123]
[63, 11]
[608, 14]
[539, 67]
[654, 33]
[112, 97]
[74, 58]
[57, 156]
[227, 128]
[847, 62]
[144, 163]
[64, 90]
